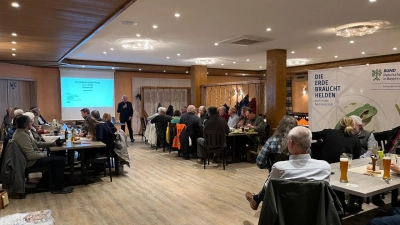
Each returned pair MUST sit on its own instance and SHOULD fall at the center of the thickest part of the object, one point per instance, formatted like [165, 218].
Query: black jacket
[216, 123]
[389, 136]
[335, 143]
[294, 202]
[125, 113]
[163, 119]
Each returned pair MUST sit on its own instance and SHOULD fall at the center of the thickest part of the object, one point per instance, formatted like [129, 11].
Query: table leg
[395, 194]
[341, 197]
[71, 154]
[82, 165]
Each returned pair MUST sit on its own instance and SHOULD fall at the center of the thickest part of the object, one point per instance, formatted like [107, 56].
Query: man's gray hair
[191, 109]
[301, 136]
[357, 120]
[162, 110]
[203, 108]
[223, 107]
[18, 112]
[30, 115]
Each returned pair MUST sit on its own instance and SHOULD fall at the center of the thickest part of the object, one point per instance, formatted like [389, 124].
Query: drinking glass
[350, 158]
[386, 161]
[344, 166]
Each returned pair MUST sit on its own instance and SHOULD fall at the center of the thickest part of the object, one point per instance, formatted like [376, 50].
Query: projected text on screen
[87, 92]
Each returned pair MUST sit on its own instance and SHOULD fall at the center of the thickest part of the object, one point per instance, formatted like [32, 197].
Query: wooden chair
[172, 133]
[104, 159]
[143, 124]
[214, 142]
[160, 135]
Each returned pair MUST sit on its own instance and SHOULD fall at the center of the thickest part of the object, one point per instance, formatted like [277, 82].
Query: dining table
[235, 137]
[363, 183]
[84, 144]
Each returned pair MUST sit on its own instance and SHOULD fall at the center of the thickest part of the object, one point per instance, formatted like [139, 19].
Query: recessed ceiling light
[340, 66]
[363, 53]
[137, 35]
[247, 60]
[395, 48]
[155, 26]
[112, 68]
[178, 54]
[319, 47]
[14, 34]
[167, 57]
[367, 64]
[13, 54]
[187, 71]
[260, 67]
[264, 75]
[216, 44]
[177, 15]
[244, 74]
[165, 71]
[335, 56]
[128, 22]
[222, 64]
[140, 69]
[15, 4]
[292, 52]
[226, 73]
[104, 53]
[372, 0]
[207, 72]
[83, 66]
[13, 49]
[13, 42]
[112, 49]
[268, 29]
[234, 62]
[351, 42]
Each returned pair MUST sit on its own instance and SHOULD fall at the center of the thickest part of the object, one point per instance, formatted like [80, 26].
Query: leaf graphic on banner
[376, 74]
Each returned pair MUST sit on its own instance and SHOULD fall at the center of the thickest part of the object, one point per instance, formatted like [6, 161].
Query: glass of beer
[386, 161]
[344, 166]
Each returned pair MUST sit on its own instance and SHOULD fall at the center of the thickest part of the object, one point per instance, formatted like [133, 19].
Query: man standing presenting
[125, 111]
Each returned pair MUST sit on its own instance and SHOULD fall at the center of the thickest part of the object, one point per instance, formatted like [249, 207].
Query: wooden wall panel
[3, 97]
[223, 79]
[19, 94]
[49, 93]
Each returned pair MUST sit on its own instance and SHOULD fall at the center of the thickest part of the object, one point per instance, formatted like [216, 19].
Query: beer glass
[344, 166]
[386, 161]
[350, 156]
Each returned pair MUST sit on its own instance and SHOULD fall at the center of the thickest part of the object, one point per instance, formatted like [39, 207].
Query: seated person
[33, 131]
[233, 117]
[37, 158]
[277, 143]
[39, 120]
[107, 119]
[85, 112]
[192, 123]
[162, 118]
[96, 115]
[202, 113]
[98, 131]
[300, 166]
[339, 141]
[176, 116]
[367, 139]
[257, 124]
[184, 110]
[392, 138]
[392, 217]
[212, 123]
[242, 119]
[223, 114]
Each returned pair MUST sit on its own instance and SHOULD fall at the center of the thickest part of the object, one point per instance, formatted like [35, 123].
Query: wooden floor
[159, 188]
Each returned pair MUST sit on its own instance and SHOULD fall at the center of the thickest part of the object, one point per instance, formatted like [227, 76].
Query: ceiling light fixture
[177, 15]
[222, 64]
[187, 71]
[155, 26]
[367, 64]
[372, 0]
[359, 29]
[112, 49]
[234, 62]
[395, 48]
[292, 52]
[13, 49]
[335, 56]
[13, 54]
[296, 62]
[128, 22]
[167, 57]
[243, 74]
[15, 4]
[140, 69]
[319, 47]
[112, 68]
[138, 44]
[104, 53]
[13, 42]
[260, 67]
[205, 61]
[83, 66]
[226, 73]
[216, 44]
[137, 35]
[351, 42]
[164, 71]
[178, 54]
[340, 66]
[268, 29]
[363, 53]
[247, 60]
[14, 34]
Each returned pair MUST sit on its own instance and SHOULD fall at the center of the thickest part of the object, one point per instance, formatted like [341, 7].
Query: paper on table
[50, 138]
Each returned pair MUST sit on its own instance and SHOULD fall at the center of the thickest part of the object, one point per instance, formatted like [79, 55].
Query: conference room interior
[178, 53]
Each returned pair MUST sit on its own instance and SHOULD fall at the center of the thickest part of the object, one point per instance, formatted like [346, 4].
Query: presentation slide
[85, 88]
[88, 92]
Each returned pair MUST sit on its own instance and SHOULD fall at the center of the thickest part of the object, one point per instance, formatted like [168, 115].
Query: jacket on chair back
[13, 169]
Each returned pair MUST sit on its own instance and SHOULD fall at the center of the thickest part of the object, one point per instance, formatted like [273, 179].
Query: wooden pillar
[276, 86]
[198, 76]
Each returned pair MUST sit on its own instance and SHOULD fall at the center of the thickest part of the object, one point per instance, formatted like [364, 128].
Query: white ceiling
[299, 26]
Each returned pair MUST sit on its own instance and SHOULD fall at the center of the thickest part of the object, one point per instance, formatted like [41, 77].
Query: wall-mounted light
[304, 92]
[241, 92]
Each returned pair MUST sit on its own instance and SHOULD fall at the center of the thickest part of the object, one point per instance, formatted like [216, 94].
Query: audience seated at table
[233, 117]
[213, 123]
[367, 139]
[37, 158]
[193, 123]
[184, 110]
[98, 131]
[257, 124]
[39, 120]
[300, 166]
[162, 118]
[339, 141]
[391, 217]
[222, 113]
[107, 119]
[85, 113]
[33, 131]
[176, 116]
[202, 113]
[96, 114]
[242, 119]
[392, 138]
[277, 143]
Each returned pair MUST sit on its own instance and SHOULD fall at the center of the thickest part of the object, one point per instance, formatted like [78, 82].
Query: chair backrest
[275, 157]
[5, 142]
[172, 129]
[110, 144]
[159, 130]
[300, 202]
[143, 123]
[214, 139]
[266, 129]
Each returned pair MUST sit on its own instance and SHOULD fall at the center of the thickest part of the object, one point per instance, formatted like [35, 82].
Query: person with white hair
[193, 123]
[162, 118]
[202, 113]
[300, 166]
[366, 138]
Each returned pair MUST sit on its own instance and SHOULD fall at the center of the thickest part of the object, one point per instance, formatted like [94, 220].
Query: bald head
[299, 139]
